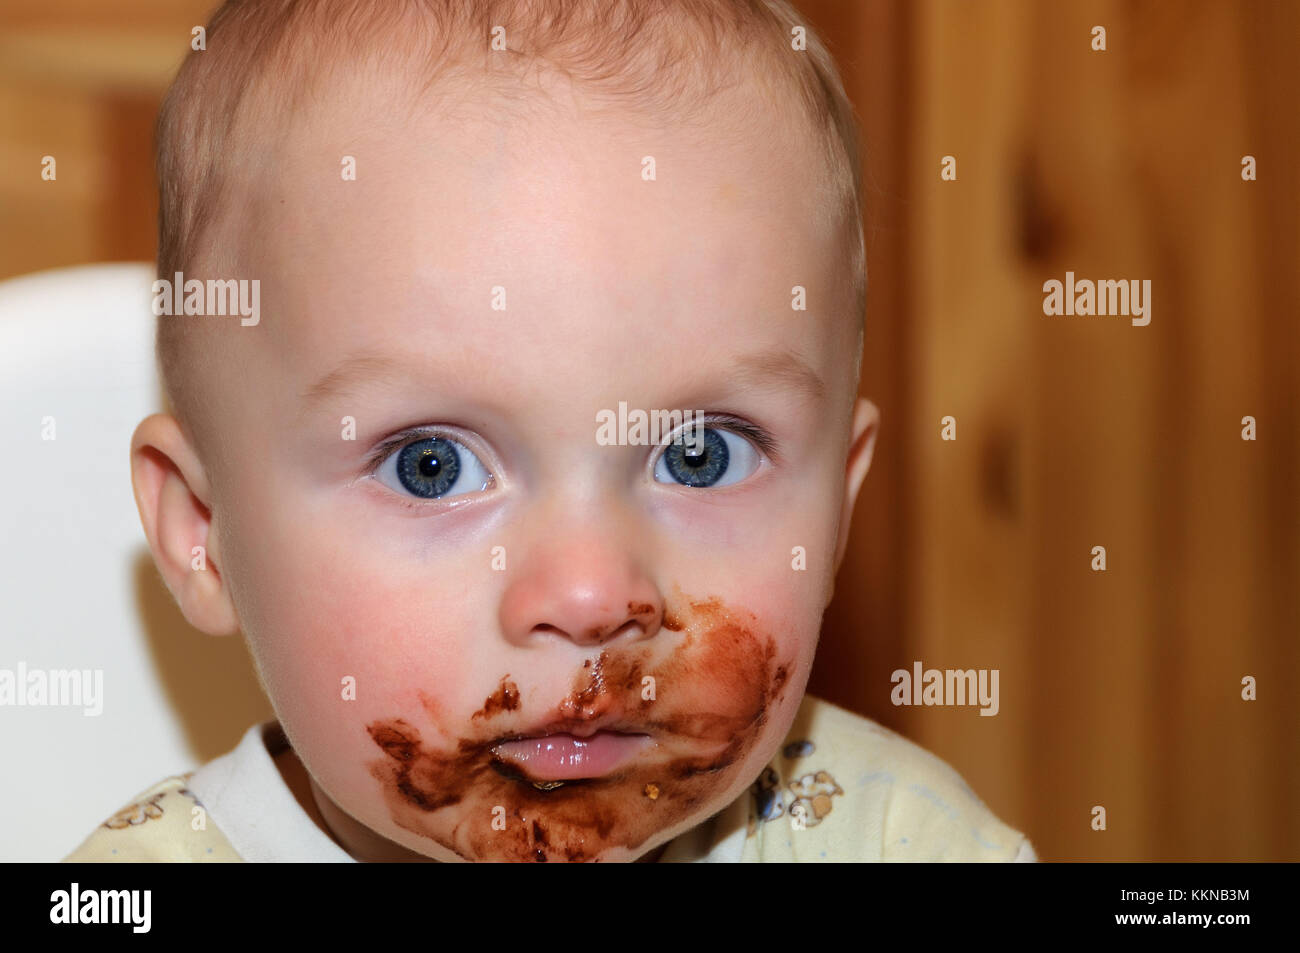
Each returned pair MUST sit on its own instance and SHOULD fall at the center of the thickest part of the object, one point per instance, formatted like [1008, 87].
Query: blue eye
[714, 458]
[433, 467]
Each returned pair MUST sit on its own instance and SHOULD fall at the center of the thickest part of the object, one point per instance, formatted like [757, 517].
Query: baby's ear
[171, 488]
[862, 444]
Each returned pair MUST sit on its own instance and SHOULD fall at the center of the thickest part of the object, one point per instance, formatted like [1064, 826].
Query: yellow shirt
[841, 788]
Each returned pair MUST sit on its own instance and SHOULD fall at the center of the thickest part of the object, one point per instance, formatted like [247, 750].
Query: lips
[561, 756]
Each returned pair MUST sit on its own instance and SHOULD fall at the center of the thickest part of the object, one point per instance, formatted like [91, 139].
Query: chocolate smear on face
[505, 698]
[715, 680]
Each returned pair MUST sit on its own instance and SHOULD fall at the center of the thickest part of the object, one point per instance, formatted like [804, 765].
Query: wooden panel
[82, 81]
[968, 565]
[1122, 688]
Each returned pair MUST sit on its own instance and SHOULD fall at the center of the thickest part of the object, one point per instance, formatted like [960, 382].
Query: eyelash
[757, 435]
[751, 431]
[381, 452]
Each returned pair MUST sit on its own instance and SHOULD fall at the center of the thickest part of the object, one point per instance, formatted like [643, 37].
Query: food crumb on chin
[651, 791]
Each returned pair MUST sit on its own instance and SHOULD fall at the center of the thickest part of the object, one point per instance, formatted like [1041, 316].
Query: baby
[528, 480]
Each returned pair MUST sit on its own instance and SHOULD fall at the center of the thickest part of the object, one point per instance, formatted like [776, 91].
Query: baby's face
[488, 632]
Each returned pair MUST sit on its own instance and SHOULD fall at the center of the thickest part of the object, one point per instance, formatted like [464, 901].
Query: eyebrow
[775, 368]
[351, 372]
[780, 367]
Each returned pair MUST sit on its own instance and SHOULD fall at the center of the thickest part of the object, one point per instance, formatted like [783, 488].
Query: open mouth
[548, 761]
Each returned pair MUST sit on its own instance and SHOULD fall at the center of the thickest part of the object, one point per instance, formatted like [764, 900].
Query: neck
[361, 843]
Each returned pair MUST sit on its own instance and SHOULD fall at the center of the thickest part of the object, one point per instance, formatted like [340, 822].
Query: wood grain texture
[1120, 689]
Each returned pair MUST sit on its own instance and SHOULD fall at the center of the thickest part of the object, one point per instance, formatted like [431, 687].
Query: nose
[586, 588]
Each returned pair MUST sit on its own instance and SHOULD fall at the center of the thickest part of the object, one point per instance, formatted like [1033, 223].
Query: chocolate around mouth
[714, 692]
[508, 770]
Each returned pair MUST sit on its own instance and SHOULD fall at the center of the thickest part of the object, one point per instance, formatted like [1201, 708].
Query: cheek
[788, 600]
[777, 563]
[338, 643]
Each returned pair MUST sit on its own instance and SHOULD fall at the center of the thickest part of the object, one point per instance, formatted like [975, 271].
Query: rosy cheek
[788, 602]
[338, 646]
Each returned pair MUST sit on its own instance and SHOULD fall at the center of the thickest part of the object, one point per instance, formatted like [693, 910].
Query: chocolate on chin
[715, 677]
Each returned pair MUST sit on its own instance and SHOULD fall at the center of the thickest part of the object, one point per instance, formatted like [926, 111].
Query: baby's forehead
[523, 291]
[366, 131]
[590, 226]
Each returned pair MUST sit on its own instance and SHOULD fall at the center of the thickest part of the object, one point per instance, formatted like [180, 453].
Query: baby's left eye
[433, 467]
[706, 458]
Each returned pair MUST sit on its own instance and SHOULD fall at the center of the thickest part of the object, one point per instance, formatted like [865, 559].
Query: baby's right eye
[433, 467]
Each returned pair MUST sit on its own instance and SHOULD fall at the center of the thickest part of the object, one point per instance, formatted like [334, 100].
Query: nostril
[641, 620]
[597, 633]
[645, 614]
[602, 633]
